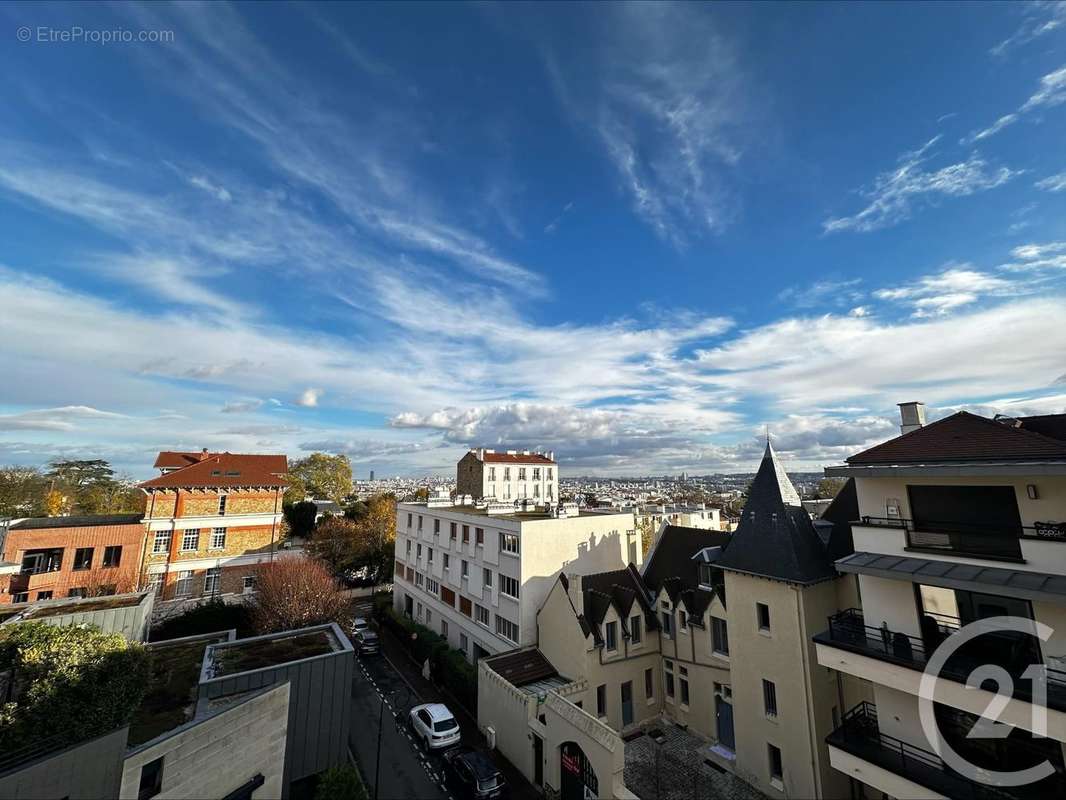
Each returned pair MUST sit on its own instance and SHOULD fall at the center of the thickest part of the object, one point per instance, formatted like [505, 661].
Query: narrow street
[406, 772]
[394, 675]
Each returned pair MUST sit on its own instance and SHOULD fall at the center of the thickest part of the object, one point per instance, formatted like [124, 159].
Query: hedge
[448, 666]
[70, 683]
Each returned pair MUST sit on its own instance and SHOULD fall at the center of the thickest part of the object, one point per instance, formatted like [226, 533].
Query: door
[627, 703]
[724, 713]
[538, 761]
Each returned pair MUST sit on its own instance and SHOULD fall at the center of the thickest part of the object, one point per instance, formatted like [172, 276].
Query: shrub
[72, 683]
[295, 593]
[341, 783]
[214, 615]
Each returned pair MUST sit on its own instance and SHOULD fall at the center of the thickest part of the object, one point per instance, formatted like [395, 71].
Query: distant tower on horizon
[371, 476]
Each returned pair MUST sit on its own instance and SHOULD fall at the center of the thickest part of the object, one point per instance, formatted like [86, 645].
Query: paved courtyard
[676, 769]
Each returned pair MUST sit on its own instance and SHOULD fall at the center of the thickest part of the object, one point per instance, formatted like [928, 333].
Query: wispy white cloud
[1036, 257]
[1040, 18]
[553, 226]
[667, 101]
[895, 193]
[946, 291]
[1050, 93]
[1053, 183]
[309, 398]
[204, 183]
[831, 291]
[65, 418]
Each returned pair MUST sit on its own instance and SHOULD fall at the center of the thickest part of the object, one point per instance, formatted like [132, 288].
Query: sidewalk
[520, 788]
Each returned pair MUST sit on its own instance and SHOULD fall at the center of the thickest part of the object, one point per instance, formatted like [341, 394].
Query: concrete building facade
[961, 523]
[478, 572]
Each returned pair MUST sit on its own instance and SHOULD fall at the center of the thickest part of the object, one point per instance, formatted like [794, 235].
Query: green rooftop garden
[259, 653]
[83, 607]
[170, 699]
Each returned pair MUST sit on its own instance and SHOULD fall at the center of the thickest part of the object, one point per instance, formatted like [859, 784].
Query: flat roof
[81, 605]
[170, 698]
[261, 652]
[520, 516]
[86, 521]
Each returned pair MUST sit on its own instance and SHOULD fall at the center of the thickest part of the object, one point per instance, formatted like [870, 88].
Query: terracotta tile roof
[516, 458]
[174, 459]
[968, 437]
[223, 470]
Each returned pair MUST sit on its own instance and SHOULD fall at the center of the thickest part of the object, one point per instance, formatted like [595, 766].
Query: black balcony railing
[967, 538]
[860, 736]
[1014, 652]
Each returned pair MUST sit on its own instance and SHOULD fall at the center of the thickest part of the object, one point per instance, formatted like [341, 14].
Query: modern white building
[508, 476]
[960, 521]
[477, 573]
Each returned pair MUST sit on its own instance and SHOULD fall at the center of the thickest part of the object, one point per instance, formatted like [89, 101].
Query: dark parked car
[472, 774]
[367, 643]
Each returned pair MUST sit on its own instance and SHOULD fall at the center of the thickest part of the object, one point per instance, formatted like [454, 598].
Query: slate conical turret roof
[775, 537]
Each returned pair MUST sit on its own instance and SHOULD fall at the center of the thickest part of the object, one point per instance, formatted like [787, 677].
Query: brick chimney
[911, 416]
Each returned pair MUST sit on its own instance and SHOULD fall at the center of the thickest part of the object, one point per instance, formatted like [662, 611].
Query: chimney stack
[911, 416]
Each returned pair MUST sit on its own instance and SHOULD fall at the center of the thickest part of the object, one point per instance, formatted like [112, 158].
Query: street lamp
[381, 723]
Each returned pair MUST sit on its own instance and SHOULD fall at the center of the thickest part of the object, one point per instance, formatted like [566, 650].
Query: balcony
[860, 737]
[849, 631]
[968, 539]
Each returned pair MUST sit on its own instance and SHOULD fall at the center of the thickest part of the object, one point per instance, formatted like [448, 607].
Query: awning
[970, 577]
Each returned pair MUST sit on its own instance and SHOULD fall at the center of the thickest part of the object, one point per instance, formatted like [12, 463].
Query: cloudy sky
[635, 234]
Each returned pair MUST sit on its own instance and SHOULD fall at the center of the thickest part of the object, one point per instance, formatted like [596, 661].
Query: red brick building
[55, 557]
[211, 519]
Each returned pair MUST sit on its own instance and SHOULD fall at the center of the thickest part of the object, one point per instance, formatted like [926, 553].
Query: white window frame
[504, 627]
[183, 585]
[185, 534]
[479, 611]
[218, 539]
[162, 541]
[507, 583]
[222, 505]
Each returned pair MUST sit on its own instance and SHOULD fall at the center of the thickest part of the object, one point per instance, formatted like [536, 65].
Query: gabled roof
[1052, 425]
[619, 589]
[966, 437]
[776, 539]
[176, 459]
[674, 555]
[225, 470]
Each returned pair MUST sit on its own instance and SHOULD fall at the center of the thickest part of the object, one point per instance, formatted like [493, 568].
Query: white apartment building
[477, 573]
[508, 476]
[960, 520]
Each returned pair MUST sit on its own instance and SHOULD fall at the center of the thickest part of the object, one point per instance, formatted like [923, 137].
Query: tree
[336, 544]
[647, 534]
[378, 537]
[321, 476]
[55, 503]
[22, 491]
[74, 682]
[294, 593]
[301, 518]
[92, 488]
[828, 488]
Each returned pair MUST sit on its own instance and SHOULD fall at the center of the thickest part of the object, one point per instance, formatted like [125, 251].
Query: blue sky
[634, 234]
